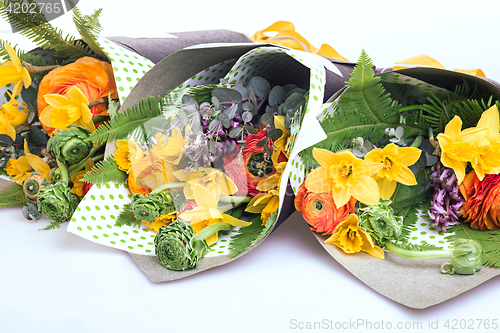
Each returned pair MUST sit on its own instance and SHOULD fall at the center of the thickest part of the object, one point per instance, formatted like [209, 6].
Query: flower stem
[210, 230]
[98, 158]
[81, 165]
[234, 199]
[417, 255]
[38, 69]
[167, 186]
[97, 101]
[64, 171]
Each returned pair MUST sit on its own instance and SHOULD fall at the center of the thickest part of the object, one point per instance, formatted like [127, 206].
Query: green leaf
[53, 225]
[251, 235]
[89, 28]
[13, 196]
[489, 240]
[364, 109]
[127, 217]
[418, 247]
[105, 171]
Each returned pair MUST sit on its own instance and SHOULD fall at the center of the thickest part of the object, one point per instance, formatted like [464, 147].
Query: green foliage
[417, 247]
[127, 217]
[489, 240]
[35, 60]
[105, 171]
[467, 104]
[124, 123]
[53, 225]
[90, 28]
[251, 235]
[363, 110]
[35, 27]
[13, 196]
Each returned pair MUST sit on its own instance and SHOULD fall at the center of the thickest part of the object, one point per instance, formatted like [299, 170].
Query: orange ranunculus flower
[257, 167]
[319, 210]
[150, 172]
[93, 77]
[482, 201]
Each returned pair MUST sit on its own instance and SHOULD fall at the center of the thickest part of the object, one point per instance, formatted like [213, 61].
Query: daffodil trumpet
[465, 258]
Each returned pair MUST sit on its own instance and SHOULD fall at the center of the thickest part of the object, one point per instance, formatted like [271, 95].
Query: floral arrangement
[387, 162]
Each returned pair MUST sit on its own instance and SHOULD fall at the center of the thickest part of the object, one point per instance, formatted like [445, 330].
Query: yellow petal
[18, 86]
[405, 176]
[386, 187]
[234, 221]
[190, 215]
[45, 116]
[12, 55]
[457, 166]
[203, 197]
[56, 100]
[341, 195]
[226, 184]
[6, 128]
[319, 181]
[212, 239]
[489, 119]
[76, 96]
[269, 183]
[23, 165]
[408, 155]
[474, 135]
[39, 165]
[453, 128]
[256, 209]
[324, 157]
[366, 191]
[26, 78]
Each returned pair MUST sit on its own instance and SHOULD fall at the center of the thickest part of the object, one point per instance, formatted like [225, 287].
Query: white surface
[53, 281]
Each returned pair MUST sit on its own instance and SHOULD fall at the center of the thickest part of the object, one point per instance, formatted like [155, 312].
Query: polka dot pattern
[95, 218]
[297, 173]
[211, 75]
[424, 233]
[128, 67]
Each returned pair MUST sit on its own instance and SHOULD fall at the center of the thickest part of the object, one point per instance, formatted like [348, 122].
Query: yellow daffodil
[267, 203]
[77, 184]
[127, 152]
[19, 169]
[459, 147]
[212, 179]
[395, 162]
[6, 127]
[344, 175]
[351, 238]
[63, 111]
[11, 112]
[488, 161]
[13, 72]
[162, 220]
[171, 149]
[207, 213]
[282, 143]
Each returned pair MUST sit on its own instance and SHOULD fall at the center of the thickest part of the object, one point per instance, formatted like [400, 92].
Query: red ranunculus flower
[234, 168]
[482, 201]
[256, 165]
[319, 210]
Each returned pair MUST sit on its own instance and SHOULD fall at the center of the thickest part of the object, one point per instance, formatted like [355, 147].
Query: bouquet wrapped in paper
[400, 185]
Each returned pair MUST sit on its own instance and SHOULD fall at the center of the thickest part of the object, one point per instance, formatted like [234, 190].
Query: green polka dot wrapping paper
[95, 216]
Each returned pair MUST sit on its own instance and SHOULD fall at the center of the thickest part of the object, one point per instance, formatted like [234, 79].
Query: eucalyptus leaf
[224, 120]
[288, 121]
[275, 134]
[289, 87]
[29, 95]
[400, 131]
[431, 159]
[394, 140]
[358, 151]
[242, 90]
[260, 86]
[270, 109]
[295, 91]
[235, 132]
[212, 124]
[5, 140]
[183, 118]
[190, 103]
[250, 129]
[276, 96]
[268, 150]
[292, 101]
[247, 107]
[247, 116]
[215, 102]
[267, 119]
[231, 111]
[196, 123]
[253, 99]
[261, 143]
[212, 146]
[35, 135]
[227, 95]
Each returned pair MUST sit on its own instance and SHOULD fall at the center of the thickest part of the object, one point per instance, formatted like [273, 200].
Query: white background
[53, 281]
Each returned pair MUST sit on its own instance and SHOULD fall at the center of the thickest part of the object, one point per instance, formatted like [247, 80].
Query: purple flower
[447, 201]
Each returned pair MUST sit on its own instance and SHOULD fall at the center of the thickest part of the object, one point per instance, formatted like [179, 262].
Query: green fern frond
[250, 236]
[44, 35]
[127, 217]
[33, 59]
[90, 28]
[417, 247]
[124, 123]
[53, 225]
[364, 109]
[105, 171]
[13, 196]
[489, 240]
